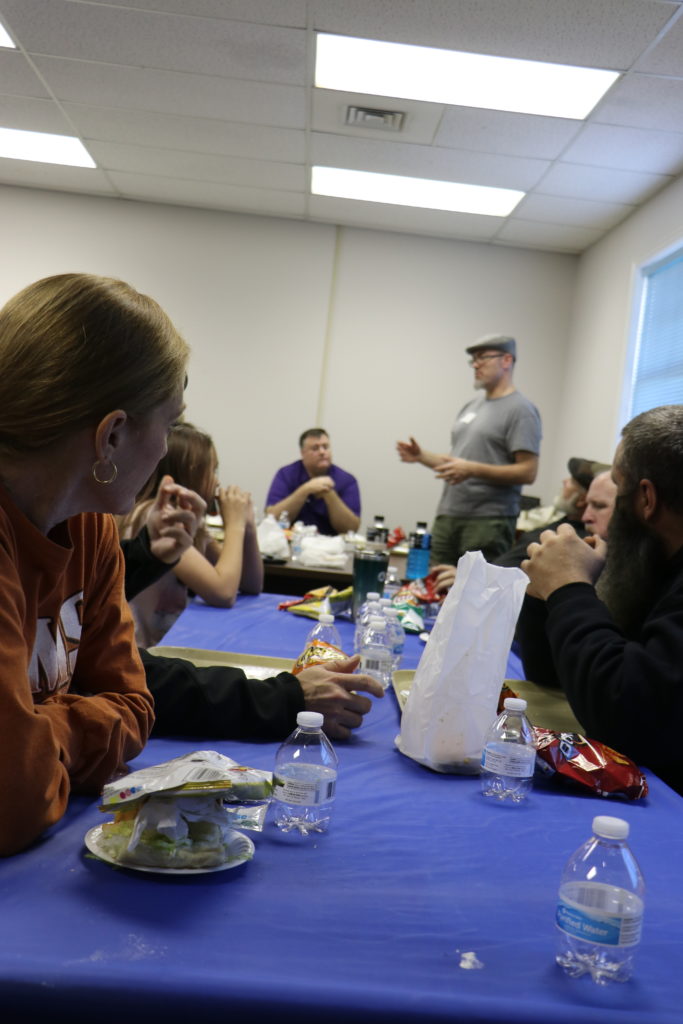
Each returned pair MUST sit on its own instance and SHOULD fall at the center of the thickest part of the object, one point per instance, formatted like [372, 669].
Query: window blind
[658, 373]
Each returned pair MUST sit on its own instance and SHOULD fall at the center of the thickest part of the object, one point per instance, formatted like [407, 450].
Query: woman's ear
[109, 434]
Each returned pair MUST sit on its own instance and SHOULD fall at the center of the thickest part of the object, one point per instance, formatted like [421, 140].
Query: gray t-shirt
[490, 430]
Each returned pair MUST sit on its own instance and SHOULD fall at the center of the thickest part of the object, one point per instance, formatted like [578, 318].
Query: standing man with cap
[495, 443]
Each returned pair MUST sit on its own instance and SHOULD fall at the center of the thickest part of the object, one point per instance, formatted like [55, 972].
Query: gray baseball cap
[499, 342]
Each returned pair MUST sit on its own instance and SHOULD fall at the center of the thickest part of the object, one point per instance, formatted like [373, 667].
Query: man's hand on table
[562, 557]
[330, 689]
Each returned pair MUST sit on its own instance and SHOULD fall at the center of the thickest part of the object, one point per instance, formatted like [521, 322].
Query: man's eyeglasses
[475, 360]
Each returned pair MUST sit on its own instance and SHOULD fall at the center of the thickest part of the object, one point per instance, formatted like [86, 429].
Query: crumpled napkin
[322, 550]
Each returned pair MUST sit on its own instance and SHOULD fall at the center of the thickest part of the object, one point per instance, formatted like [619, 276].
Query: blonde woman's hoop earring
[112, 476]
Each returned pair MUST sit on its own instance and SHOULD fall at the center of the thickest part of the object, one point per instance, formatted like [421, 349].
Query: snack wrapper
[202, 771]
[324, 599]
[588, 763]
[316, 653]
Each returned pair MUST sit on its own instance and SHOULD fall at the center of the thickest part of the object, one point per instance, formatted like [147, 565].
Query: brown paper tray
[548, 709]
[254, 665]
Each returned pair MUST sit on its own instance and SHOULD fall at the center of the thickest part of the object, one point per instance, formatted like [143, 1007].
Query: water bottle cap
[376, 622]
[385, 602]
[326, 618]
[610, 828]
[372, 595]
[514, 704]
[310, 719]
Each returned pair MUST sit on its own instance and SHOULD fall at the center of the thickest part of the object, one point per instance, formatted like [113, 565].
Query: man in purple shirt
[313, 490]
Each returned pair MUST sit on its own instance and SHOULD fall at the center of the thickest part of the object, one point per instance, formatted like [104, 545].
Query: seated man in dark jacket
[568, 507]
[221, 702]
[605, 622]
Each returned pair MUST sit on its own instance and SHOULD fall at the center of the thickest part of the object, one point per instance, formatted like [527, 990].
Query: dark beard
[635, 564]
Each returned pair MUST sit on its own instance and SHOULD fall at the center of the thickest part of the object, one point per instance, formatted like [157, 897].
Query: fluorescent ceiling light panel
[44, 148]
[5, 39]
[421, 192]
[458, 79]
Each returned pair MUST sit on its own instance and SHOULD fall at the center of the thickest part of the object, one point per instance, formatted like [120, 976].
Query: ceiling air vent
[369, 117]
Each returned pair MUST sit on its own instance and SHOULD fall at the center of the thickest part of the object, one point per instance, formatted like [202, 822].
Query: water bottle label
[586, 915]
[301, 791]
[517, 761]
[374, 664]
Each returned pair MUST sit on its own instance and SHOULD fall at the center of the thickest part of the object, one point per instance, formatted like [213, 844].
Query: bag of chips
[316, 653]
[589, 763]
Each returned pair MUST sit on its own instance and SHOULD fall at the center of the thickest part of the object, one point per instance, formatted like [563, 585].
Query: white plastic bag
[271, 538]
[455, 692]
[321, 550]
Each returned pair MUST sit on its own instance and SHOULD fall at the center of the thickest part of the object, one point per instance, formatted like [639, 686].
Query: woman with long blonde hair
[214, 570]
[91, 379]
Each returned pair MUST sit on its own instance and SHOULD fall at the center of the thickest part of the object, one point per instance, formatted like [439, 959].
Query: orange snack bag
[316, 653]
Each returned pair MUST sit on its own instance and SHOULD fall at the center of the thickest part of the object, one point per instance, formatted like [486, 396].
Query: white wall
[601, 336]
[293, 323]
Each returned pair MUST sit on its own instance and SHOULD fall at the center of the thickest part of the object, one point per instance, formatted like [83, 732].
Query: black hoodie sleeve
[142, 567]
[220, 702]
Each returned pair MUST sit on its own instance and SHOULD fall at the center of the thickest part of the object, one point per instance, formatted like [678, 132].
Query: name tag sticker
[468, 417]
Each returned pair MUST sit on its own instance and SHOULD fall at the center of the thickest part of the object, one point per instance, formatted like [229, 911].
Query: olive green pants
[452, 536]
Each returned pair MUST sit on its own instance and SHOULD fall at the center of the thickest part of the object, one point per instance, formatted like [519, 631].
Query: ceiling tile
[556, 237]
[577, 212]
[642, 101]
[34, 115]
[173, 163]
[210, 195]
[54, 176]
[110, 85]
[268, 12]
[404, 218]
[17, 77]
[426, 161]
[665, 57]
[606, 34]
[200, 135]
[600, 183]
[210, 46]
[497, 131]
[629, 149]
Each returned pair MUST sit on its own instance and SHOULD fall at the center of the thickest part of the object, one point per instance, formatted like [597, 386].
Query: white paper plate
[240, 846]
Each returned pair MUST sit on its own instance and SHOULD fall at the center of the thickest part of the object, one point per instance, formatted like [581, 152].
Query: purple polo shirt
[314, 510]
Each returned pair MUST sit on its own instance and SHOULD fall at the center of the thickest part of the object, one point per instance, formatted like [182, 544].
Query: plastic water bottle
[397, 636]
[600, 905]
[417, 566]
[509, 754]
[325, 632]
[369, 607]
[283, 520]
[375, 651]
[296, 539]
[392, 583]
[305, 777]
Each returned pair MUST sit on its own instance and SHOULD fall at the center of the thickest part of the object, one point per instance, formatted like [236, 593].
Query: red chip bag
[589, 763]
